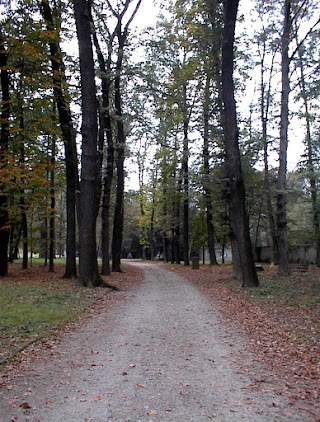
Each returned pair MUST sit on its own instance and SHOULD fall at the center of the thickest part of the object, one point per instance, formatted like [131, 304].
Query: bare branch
[133, 15]
[304, 38]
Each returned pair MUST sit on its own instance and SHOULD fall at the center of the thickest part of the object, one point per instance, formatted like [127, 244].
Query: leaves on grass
[36, 305]
[280, 319]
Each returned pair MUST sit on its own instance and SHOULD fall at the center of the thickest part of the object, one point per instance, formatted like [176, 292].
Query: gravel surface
[163, 354]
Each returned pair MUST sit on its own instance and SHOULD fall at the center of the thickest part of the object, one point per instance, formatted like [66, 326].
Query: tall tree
[292, 11]
[122, 34]
[105, 129]
[236, 196]
[268, 47]
[68, 134]
[206, 166]
[4, 142]
[310, 148]
[88, 268]
[284, 123]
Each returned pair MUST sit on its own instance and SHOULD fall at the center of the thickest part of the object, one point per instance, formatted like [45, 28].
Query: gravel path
[164, 354]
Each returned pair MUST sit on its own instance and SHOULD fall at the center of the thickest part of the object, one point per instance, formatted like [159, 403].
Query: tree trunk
[106, 199]
[105, 128]
[4, 142]
[311, 170]
[52, 222]
[69, 139]
[89, 185]
[264, 110]
[284, 123]
[185, 173]
[118, 212]
[206, 166]
[23, 208]
[237, 207]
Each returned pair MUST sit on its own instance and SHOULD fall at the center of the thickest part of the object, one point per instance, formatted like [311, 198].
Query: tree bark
[185, 176]
[206, 166]
[4, 142]
[23, 208]
[118, 212]
[52, 219]
[310, 153]
[69, 139]
[89, 185]
[236, 197]
[105, 128]
[265, 106]
[284, 123]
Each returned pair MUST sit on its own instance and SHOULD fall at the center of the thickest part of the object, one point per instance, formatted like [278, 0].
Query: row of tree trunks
[69, 140]
[310, 153]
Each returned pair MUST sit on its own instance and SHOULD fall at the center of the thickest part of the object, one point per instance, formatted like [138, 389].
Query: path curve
[164, 354]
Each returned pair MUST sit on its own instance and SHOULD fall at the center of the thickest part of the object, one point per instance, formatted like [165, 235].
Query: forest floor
[175, 344]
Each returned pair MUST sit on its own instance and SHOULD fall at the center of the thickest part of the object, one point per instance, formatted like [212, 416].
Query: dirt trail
[164, 354]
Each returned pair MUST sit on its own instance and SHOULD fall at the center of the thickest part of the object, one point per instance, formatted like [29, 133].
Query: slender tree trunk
[52, 222]
[89, 185]
[23, 207]
[105, 128]
[185, 173]
[237, 207]
[4, 142]
[118, 212]
[25, 243]
[106, 199]
[265, 106]
[69, 139]
[310, 153]
[177, 205]
[165, 240]
[284, 123]
[206, 166]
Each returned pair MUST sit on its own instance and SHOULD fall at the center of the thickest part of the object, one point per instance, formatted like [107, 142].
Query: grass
[34, 304]
[294, 301]
[297, 290]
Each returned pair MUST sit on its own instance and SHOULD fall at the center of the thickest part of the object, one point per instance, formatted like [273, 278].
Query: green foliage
[300, 220]
[199, 232]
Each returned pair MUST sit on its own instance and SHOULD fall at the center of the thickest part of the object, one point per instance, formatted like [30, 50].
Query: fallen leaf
[25, 405]
[152, 413]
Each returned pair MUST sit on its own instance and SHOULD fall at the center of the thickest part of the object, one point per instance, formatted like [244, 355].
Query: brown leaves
[282, 327]
[25, 405]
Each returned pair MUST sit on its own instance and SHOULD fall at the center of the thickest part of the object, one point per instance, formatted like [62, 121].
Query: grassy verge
[34, 304]
[280, 320]
[293, 301]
